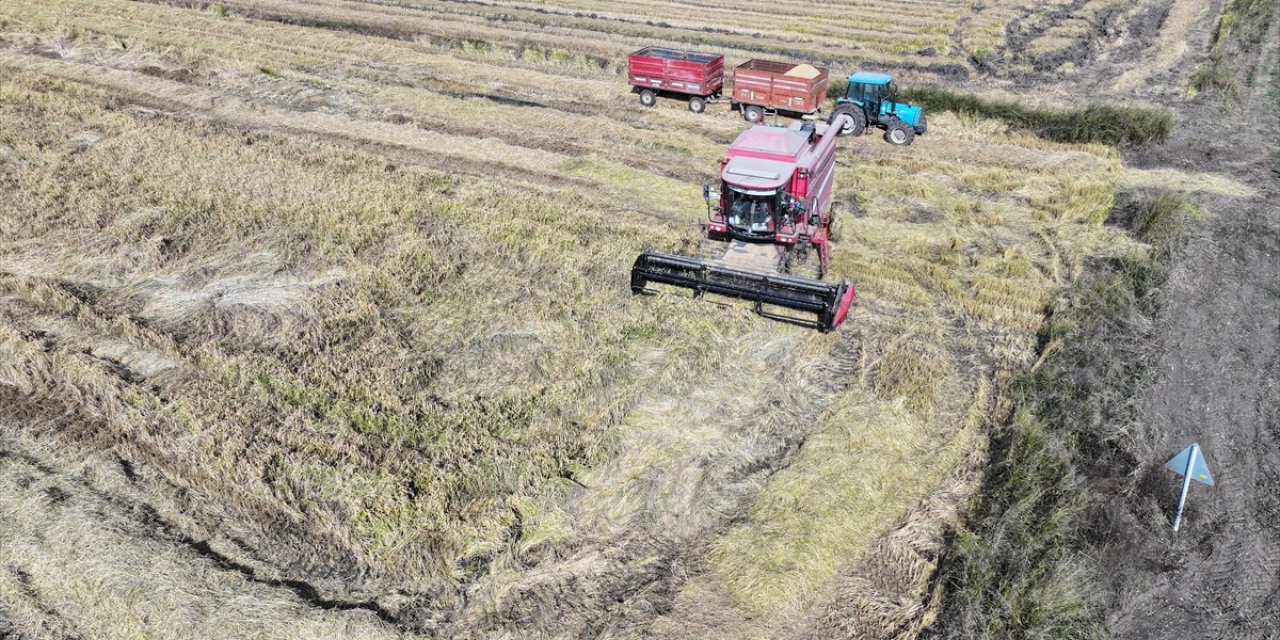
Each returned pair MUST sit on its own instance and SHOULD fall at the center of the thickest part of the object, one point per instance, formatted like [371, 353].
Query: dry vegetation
[317, 312]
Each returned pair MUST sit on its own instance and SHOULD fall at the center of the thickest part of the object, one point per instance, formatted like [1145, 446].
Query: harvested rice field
[315, 316]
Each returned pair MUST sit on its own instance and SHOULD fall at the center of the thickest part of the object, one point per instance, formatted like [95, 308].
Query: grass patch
[1113, 124]
[1227, 69]
[1024, 568]
[837, 87]
[1164, 220]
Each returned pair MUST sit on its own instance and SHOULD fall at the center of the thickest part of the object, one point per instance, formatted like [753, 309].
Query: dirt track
[1217, 382]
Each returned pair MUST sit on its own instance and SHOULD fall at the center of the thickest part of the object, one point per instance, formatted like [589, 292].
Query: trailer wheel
[697, 105]
[899, 134]
[648, 98]
[753, 114]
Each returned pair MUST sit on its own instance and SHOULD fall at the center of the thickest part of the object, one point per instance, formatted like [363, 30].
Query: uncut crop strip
[786, 25]
[845, 32]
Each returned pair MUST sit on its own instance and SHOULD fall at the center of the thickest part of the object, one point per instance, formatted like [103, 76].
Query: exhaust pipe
[828, 301]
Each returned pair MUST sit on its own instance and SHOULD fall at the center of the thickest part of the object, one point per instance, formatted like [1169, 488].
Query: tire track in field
[94, 505]
[625, 581]
[371, 24]
[393, 89]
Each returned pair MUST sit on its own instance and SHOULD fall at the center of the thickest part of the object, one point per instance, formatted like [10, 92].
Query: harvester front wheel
[697, 105]
[802, 261]
[899, 134]
[648, 98]
[753, 114]
[835, 228]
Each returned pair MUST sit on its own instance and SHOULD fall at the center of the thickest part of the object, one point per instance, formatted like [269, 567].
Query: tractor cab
[872, 100]
[871, 94]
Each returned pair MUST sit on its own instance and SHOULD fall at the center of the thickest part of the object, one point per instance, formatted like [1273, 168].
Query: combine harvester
[773, 209]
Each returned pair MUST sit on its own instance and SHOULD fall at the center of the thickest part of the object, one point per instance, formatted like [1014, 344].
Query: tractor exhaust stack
[828, 301]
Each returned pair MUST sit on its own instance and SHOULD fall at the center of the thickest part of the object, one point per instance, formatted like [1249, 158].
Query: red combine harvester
[774, 210]
[654, 71]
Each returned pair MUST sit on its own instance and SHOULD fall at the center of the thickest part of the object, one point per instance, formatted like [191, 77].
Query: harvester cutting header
[773, 212]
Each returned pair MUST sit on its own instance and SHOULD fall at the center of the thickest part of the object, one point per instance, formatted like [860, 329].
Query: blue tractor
[872, 99]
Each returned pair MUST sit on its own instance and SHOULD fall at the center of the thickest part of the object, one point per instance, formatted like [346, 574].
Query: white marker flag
[1189, 464]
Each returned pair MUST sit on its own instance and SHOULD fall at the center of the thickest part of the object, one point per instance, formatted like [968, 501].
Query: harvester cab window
[752, 211]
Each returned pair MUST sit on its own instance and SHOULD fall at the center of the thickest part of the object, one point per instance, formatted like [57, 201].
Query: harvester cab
[772, 212]
[750, 214]
[872, 100]
[753, 201]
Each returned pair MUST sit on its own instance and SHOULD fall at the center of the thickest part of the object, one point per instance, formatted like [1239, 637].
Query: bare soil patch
[1217, 383]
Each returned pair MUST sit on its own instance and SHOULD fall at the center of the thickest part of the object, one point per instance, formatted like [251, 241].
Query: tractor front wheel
[899, 134]
[648, 98]
[697, 105]
[753, 114]
[922, 125]
[854, 126]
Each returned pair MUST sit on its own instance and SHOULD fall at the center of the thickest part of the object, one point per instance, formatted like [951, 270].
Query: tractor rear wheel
[697, 105]
[753, 114]
[899, 134]
[856, 124]
[648, 98]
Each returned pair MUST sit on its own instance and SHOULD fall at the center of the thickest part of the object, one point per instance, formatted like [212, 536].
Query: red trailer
[654, 71]
[764, 85]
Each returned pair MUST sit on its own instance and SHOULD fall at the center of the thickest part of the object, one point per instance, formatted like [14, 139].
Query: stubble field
[316, 322]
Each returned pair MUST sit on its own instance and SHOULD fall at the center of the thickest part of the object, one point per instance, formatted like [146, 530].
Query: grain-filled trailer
[764, 86]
